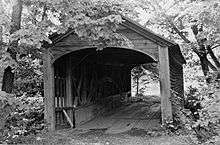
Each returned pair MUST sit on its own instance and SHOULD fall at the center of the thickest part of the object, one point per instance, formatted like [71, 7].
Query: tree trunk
[204, 65]
[215, 60]
[1, 34]
[1, 43]
[8, 77]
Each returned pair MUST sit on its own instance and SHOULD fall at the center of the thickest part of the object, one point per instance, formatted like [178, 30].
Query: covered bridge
[76, 74]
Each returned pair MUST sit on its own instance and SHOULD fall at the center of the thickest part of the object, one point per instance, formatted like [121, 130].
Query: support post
[165, 92]
[49, 94]
[69, 95]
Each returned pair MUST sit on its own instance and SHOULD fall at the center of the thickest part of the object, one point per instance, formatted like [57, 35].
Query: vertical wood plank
[69, 94]
[61, 99]
[165, 93]
[61, 92]
[58, 99]
[49, 94]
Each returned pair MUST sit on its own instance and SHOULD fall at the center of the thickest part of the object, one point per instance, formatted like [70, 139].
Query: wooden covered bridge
[76, 74]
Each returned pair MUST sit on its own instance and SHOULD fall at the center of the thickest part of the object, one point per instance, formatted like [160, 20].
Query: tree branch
[44, 12]
[211, 65]
[182, 36]
[206, 64]
[215, 46]
[179, 33]
[1, 34]
[214, 58]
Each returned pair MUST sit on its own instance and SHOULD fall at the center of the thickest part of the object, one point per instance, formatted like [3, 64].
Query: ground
[136, 123]
[138, 114]
[98, 137]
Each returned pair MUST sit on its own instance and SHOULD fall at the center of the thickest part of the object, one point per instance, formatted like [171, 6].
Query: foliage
[194, 24]
[143, 75]
[23, 110]
[28, 76]
[210, 101]
[200, 116]
[136, 74]
[23, 116]
[94, 20]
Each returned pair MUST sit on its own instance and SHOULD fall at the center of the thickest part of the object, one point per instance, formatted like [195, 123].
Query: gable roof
[147, 33]
[136, 27]
[158, 39]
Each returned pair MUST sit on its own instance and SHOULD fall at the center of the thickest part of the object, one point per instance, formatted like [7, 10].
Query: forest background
[26, 24]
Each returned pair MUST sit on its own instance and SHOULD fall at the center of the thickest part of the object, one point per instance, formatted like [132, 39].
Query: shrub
[22, 111]
[200, 115]
[23, 116]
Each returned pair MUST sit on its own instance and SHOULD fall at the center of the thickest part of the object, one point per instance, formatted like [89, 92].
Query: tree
[8, 77]
[137, 73]
[195, 23]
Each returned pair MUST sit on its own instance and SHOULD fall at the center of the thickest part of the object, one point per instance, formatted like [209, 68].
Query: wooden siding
[73, 43]
[176, 75]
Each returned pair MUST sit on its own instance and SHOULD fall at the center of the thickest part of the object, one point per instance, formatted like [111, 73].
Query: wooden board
[73, 43]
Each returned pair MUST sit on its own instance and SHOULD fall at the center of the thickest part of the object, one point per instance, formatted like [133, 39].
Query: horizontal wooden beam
[59, 109]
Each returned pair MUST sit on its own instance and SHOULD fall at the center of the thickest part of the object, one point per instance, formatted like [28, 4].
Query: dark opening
[99, 77]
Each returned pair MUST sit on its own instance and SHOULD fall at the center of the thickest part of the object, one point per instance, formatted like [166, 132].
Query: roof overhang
[146, 33]
[134, 26]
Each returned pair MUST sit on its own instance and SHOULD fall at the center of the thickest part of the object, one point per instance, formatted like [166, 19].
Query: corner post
[165, 92]
[49, 94]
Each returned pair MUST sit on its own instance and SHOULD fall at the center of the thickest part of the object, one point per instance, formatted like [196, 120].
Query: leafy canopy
[93, 20]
